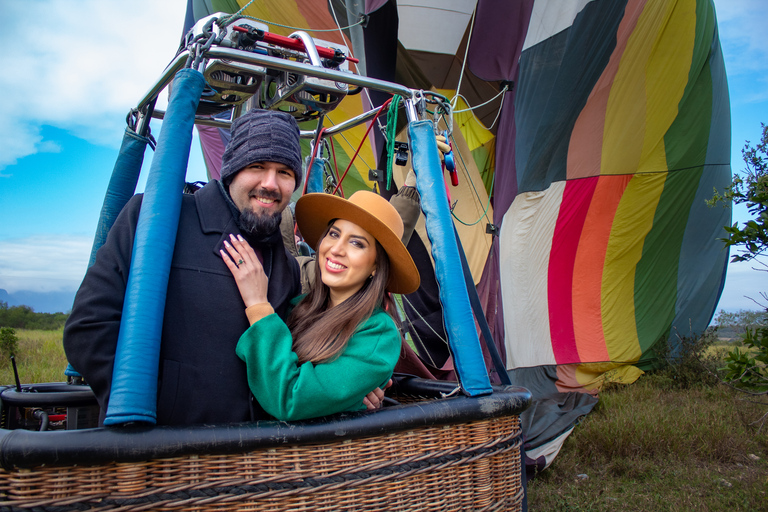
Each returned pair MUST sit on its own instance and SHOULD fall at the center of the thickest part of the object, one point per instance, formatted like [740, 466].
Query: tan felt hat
[374, 214]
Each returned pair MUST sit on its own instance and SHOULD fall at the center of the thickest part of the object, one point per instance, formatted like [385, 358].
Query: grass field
[40, 358]
[659, 444]
[652, 447]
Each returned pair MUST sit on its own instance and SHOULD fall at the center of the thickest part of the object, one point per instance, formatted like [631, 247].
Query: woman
[339, 341]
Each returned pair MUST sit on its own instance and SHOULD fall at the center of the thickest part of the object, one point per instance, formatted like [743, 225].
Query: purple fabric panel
[498, 37]
[213, 140]
[489, 291]
[494, 52]
[372, 5]
[504, 192]
[505, 185]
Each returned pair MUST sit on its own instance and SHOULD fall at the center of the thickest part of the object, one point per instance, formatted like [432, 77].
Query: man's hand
[375, 399]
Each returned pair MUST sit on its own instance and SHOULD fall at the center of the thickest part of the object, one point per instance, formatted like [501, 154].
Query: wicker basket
[465, 465]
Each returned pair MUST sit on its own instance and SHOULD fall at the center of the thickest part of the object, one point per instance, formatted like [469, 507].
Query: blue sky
[70, 76]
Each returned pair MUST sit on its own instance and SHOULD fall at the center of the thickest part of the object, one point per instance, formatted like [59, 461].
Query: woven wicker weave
[470, 466]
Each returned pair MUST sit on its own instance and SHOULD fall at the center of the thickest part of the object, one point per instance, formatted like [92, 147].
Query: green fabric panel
[687, 138]
[656, 272]
[229, 6]
[483, 157]
[703, 258]
[656, 276]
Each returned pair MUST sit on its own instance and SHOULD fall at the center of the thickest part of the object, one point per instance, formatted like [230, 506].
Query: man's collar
[213, 211]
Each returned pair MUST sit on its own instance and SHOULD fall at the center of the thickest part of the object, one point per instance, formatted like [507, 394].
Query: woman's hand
[246, 269]
[375, 399]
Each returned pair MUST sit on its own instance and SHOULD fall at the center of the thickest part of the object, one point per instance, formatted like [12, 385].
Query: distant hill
[41, 302]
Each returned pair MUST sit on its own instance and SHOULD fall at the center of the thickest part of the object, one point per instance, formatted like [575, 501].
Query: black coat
[201, 380]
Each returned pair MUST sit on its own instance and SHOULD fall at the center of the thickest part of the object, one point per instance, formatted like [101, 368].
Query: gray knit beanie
[262, 136]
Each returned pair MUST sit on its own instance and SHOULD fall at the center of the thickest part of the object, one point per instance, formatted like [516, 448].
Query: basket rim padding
[133, 443]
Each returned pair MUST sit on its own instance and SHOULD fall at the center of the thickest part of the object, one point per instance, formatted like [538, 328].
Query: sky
[71, 75]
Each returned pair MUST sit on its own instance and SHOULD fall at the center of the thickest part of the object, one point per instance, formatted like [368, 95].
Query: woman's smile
[349, 255]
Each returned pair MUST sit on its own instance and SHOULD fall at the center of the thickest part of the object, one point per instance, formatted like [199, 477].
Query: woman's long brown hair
[320, 333]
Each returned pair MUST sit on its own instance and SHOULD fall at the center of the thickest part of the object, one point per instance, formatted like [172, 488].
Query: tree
[731, 324]
[751, 189]
[9, 343]
[748, 369]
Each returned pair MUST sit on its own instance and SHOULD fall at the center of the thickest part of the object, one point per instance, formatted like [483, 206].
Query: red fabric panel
[588, 267]
[577, 197]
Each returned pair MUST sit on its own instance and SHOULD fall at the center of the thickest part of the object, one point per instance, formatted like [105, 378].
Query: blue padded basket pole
[457, 312]
[134, 379]
[316, 176]
[122, 186]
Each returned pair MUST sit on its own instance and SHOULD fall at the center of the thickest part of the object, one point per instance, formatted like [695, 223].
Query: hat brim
[315, 211]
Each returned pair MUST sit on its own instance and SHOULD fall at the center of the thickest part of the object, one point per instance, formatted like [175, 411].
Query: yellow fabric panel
[663, 41]
[473, 130]
[470, 203]
[471, 199]
[284, 13]
[666, 79]
[633, 221]
[353, 106]
[592, 376]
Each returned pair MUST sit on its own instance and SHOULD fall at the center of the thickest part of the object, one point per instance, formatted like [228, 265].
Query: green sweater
[288, 391]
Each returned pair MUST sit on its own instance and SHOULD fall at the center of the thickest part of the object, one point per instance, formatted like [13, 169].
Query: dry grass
[40, 358]
[648, 447]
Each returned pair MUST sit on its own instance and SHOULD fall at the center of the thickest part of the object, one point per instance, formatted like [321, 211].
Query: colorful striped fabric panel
[623, 132]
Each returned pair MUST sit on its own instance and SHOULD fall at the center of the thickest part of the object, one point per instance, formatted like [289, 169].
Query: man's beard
[259, 225]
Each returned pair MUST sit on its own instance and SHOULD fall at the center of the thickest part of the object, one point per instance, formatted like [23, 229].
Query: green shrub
[9, 343]
[748, 369]
[687, 362]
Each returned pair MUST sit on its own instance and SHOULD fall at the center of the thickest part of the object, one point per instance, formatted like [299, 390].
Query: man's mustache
[268, 194]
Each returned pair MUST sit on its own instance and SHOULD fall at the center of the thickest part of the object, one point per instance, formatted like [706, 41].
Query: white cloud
[44, 263]
[743, 284]
[79, 66]
[742, 23]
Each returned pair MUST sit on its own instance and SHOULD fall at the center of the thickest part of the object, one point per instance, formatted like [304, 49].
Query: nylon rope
[477, 195]
[498, 113]
[464, 61]
[335, 169]
[391, 129]
[351, 146]
[357, 152]
[414, 332]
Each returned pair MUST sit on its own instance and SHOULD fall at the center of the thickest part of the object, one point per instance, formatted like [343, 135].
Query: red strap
[295, 44]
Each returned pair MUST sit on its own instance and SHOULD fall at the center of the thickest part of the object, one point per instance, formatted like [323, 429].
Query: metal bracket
[401, 153]
[377, 175]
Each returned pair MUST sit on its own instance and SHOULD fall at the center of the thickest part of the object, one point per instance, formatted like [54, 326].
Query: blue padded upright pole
[134, 379]
[122, 186]
[457, 312]
[316, 176]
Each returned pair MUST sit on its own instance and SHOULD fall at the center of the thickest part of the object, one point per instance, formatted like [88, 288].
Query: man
[201, 380]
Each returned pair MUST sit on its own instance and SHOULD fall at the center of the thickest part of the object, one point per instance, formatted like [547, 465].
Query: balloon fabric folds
[623, 131]
[588, 135]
